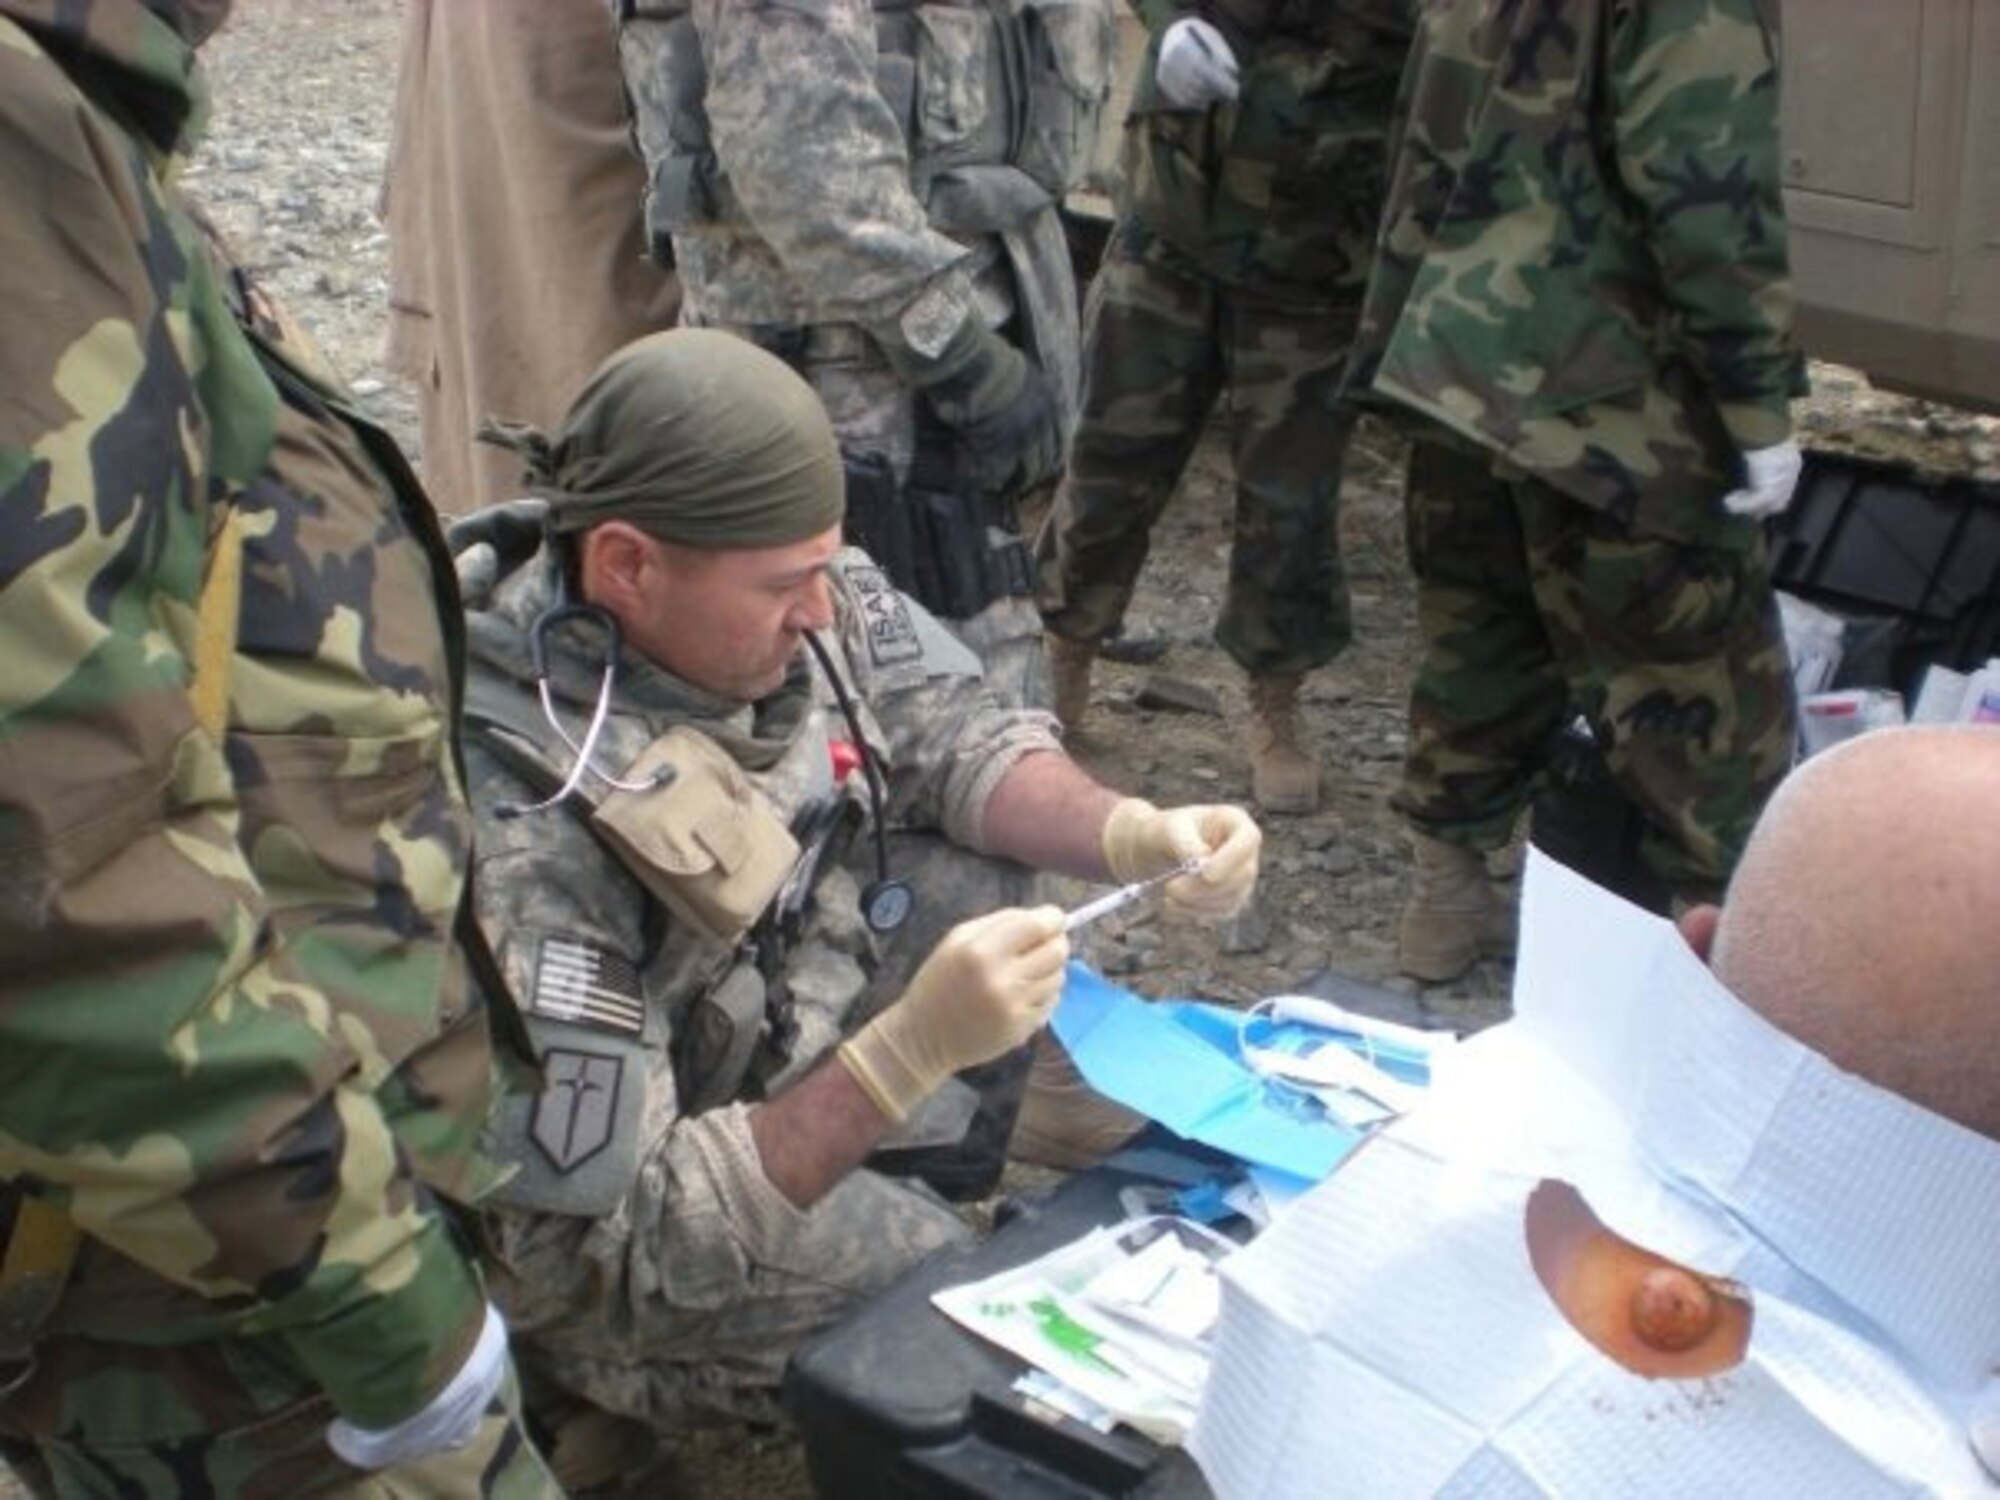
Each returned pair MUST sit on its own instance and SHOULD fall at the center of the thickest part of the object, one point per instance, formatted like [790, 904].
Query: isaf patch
[885, 619]
[586, 986]
[577, 1110]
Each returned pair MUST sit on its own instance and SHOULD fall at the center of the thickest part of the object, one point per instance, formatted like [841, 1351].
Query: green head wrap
[695, 436]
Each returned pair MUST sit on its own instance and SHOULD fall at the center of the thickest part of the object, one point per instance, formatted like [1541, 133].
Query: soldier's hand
[987, 987]
[1770, 476]
[1196, 66]
[997, 403]
[1141, 840]
[1004, 413]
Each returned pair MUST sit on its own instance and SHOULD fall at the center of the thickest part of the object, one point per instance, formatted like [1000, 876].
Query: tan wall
[1892, 168]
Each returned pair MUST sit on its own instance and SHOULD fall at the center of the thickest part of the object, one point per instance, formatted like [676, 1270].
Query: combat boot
[1069, 671]
[1284, 775]
[1451, 916]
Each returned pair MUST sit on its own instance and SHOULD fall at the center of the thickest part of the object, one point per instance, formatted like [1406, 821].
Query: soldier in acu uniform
[243, 1075]
[1252, 185]
[1582, 287]
[716, 758]
[869, 190]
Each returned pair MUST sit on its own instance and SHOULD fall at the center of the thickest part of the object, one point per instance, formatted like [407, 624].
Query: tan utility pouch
[705, 841]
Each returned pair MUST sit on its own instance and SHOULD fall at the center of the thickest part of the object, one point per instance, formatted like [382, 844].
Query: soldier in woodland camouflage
[690, 913]
[243, 1074]
[869, 190]
[1582, 286]
[1238, 260]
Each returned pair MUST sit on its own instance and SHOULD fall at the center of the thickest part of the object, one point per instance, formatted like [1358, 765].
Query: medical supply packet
[1122, 1316]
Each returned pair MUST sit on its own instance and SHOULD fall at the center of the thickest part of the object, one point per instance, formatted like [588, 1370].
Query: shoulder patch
[586, 986]
[577, 1109]
[890, 632]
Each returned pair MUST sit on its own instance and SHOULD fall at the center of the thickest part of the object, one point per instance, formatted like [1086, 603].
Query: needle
[1125, 895]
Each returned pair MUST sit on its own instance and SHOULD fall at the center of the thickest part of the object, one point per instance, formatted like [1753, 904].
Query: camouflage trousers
[222, 1419]
[1533, 607]
[1162, 341]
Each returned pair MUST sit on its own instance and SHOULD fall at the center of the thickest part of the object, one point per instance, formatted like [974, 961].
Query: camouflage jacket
[1582, 263]
[1280, 189]
[886, 163]
[236, 1041]
[626, 995]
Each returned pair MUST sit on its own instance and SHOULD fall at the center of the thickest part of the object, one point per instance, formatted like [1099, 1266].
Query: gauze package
[1389, 1335]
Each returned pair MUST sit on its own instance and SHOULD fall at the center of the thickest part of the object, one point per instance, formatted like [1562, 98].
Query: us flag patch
[585, 985]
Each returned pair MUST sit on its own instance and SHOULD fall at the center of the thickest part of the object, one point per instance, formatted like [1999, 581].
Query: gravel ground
[291, 172]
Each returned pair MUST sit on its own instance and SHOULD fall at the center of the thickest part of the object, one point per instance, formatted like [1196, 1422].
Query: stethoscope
[886, 903]
[581, 755]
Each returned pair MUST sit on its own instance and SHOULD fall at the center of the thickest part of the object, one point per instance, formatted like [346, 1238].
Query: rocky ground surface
[292, 170]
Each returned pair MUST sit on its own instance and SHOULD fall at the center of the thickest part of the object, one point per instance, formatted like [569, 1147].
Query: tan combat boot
[1069, 671]
[1284, 775]
[1450, 916]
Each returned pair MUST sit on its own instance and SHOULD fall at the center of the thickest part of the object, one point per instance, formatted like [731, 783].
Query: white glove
[449, 1421]
[1196, 67]
[1769, 477]
[987, 987]
[1141, 840]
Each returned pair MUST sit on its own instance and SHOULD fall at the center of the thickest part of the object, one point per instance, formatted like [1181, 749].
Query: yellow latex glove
[1141, 840]
[987, 987]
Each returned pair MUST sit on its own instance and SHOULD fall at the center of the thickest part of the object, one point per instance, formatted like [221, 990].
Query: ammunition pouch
[719, 1039]
[1070, 49]
[704, 841]
[953, 552]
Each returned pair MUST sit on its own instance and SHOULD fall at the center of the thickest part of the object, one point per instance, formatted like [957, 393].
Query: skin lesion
[1653, 1316]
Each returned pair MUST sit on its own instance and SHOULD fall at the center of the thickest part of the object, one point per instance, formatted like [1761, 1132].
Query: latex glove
[987, 987]
[998, 403]
[1141, 840]
[1770, 475]
[450, 1420]
[1196, 67]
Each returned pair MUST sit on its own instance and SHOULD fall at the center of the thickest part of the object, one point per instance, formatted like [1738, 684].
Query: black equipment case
[899, 1401]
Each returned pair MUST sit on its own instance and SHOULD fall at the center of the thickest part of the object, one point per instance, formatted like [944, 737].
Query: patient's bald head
[1864, 918]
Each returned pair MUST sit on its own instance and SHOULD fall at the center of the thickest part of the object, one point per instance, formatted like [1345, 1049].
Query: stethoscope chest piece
[886, 905]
